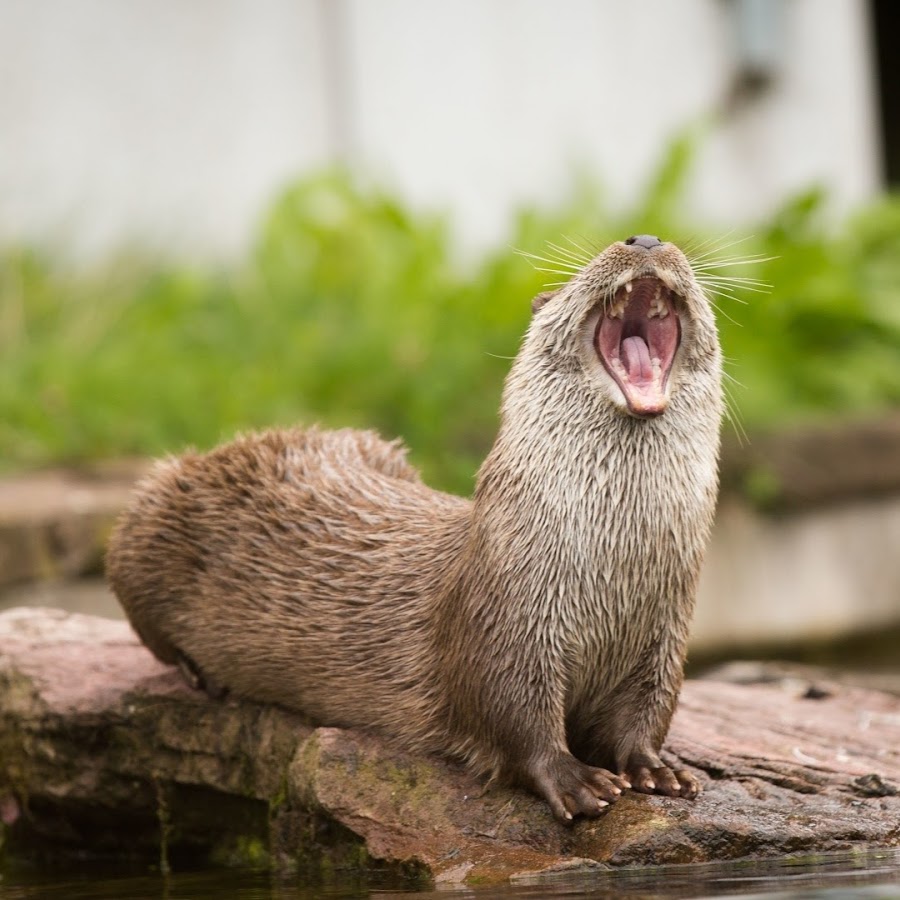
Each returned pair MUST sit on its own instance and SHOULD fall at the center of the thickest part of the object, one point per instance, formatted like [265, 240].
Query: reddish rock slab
[104, 750]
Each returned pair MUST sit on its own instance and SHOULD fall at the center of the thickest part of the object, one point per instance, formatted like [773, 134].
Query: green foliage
[824, 340]
[353, 310]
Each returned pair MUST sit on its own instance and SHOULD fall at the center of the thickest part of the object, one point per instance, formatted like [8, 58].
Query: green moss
[241, 851]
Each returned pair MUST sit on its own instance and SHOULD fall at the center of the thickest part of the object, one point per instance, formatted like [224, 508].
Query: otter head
[634, 322]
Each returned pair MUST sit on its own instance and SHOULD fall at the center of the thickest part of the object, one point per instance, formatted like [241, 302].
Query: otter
[536, 632]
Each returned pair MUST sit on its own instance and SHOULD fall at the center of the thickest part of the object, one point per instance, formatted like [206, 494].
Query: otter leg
[631, 726]
[528, 737]
[192, 674]
[506, 714]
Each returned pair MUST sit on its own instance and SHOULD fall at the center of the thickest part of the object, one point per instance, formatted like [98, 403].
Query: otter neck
[568, 471]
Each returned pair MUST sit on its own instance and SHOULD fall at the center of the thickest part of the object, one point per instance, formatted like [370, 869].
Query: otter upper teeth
[618, 310]
[658, 307]
[628, 287]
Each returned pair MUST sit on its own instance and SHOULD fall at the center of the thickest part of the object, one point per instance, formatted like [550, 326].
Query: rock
[103, 750]
[802, 677]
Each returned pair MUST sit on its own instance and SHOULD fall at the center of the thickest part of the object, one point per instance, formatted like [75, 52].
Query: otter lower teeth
[622, 372]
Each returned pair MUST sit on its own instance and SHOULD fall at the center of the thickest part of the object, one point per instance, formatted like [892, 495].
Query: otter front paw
[572, 788]
[661, 779]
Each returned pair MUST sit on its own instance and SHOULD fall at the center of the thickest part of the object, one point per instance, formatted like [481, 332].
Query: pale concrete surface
[809, 575]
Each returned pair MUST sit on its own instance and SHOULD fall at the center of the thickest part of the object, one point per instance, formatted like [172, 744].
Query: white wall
[163, 120]
[173, 121]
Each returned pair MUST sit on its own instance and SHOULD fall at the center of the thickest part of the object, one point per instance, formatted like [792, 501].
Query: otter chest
[626, 582]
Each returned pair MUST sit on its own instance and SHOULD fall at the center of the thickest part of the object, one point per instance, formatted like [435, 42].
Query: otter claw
[572, 788]
[663, 780]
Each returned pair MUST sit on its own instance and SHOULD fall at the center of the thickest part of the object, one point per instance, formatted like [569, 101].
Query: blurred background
[225, 215]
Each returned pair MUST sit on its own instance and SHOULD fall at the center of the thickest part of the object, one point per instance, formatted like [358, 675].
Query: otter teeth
[618, 310]
[658, 308]
[655, 368]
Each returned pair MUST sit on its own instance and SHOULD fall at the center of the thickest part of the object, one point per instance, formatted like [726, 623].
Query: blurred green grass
[353, 310]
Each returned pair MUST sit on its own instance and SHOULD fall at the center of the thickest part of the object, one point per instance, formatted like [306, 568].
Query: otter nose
[647, 241]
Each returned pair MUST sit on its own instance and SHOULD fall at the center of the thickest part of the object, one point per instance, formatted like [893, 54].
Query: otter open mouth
[636, 341]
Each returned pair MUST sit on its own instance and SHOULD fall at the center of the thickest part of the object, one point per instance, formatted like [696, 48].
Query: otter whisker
[736, 261]
[725, 374]
[732, 412]
[726, 294]
[564, 269]
[735, 279]
[590, 251]
[722, 312]
[566, 272]
[566, 255]
[713, 272]
[561, 260]
[715, 250]
[736, 287]
[569, 274]
[729, 286]
[553, 262]
[700, 243]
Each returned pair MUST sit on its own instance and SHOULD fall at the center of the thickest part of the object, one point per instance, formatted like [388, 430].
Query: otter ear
[540, 300]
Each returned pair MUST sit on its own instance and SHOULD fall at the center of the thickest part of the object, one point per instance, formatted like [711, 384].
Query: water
[873, 875]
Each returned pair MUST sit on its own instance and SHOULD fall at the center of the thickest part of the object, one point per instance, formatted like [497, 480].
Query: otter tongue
[635, 356]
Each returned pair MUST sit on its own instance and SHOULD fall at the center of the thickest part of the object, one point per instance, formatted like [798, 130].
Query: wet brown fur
[535, 632]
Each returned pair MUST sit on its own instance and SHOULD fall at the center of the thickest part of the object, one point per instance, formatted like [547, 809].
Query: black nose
[647, 241]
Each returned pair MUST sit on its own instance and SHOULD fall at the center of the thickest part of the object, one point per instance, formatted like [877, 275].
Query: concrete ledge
[54, 524]
[814, 465]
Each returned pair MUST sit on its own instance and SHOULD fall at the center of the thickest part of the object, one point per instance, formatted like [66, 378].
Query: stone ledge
[814, 465]
[54, 523]
[103, 750]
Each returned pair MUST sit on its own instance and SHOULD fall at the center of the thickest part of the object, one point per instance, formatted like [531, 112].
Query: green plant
[352, 310]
